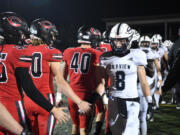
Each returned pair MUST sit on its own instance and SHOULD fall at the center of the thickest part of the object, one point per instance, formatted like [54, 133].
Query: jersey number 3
[84, 63]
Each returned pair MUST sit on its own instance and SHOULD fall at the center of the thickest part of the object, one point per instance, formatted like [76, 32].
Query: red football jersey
[40, 70]
[81, 63]
[11, 57]
[106, 47]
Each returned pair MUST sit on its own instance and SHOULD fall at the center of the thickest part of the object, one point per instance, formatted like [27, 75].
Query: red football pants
[42, 122]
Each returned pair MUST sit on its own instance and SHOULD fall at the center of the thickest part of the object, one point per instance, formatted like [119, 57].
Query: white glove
[58, 97]
[105, 99]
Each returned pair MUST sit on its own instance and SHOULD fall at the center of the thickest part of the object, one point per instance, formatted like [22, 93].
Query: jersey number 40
[80, 63]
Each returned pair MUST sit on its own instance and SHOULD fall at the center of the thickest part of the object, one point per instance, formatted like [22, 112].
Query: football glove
[150, 111]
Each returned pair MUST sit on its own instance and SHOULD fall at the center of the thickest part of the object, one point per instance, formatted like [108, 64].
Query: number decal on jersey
[84, 62]
[36, 66]
[120, 80]
[74, 62]
[3, 70]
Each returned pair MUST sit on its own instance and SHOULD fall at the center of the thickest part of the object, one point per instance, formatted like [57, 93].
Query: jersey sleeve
[140, 58]
[55, 55]
[20, 59]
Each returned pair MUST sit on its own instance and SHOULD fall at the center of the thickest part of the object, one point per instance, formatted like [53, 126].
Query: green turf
[166, 122]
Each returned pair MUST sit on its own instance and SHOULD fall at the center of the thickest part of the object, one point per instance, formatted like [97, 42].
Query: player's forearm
[100, 89]
[146, 89]
[8, 122]
[67, 90]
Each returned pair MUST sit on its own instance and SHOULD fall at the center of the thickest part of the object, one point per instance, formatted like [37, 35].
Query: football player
[105, 45]
[80, 63]
[152, 66]
[45, 63]
[122, 65]
[14, 72]
[155, 42]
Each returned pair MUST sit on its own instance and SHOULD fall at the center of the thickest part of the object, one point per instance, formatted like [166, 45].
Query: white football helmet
[120, 31]
[168, 43]
[159, 37]
[136, 35]
[144, 41]
[154, 43]
[135, 39]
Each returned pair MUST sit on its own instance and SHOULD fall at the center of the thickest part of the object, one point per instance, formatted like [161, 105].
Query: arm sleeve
[173, 76]
[23, 76]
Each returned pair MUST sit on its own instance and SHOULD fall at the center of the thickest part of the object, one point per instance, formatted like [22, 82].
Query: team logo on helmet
[14, 21]
[46, 24]
[95, 32]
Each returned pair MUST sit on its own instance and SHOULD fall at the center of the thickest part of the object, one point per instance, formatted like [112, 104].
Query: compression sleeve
[23, 76]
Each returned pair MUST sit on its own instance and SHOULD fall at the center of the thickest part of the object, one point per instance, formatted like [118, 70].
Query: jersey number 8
[120, 80]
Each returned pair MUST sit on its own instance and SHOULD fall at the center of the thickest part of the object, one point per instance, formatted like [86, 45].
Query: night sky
[76, 11]
[69, 15]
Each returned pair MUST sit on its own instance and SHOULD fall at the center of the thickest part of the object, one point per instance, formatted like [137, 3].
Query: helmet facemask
[120, 46]
[154, 46]
[145, 44]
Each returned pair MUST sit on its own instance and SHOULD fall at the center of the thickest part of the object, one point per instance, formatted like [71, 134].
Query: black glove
[26, 132]
[150, 111]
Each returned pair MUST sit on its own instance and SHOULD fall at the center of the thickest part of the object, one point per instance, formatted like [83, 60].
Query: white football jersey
[150, 69]
[123, 72]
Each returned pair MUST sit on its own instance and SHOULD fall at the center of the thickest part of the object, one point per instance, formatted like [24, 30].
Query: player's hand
[26, 132]
[150, 111]
[60, 115]
[84, 107]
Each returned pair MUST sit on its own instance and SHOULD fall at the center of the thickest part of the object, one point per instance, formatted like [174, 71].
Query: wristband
[160, 77]
[58, 97]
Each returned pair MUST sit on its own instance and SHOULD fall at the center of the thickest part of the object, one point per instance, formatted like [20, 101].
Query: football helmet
[154, 43]
[89, 35]
[159, 37]
[45, 30]
[168, 44]
[144, 42]
[105, 36]
[135, 39]
[120, 37]
[13, 28]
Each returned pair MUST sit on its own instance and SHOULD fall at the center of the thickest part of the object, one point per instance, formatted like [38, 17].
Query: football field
[166, 122]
